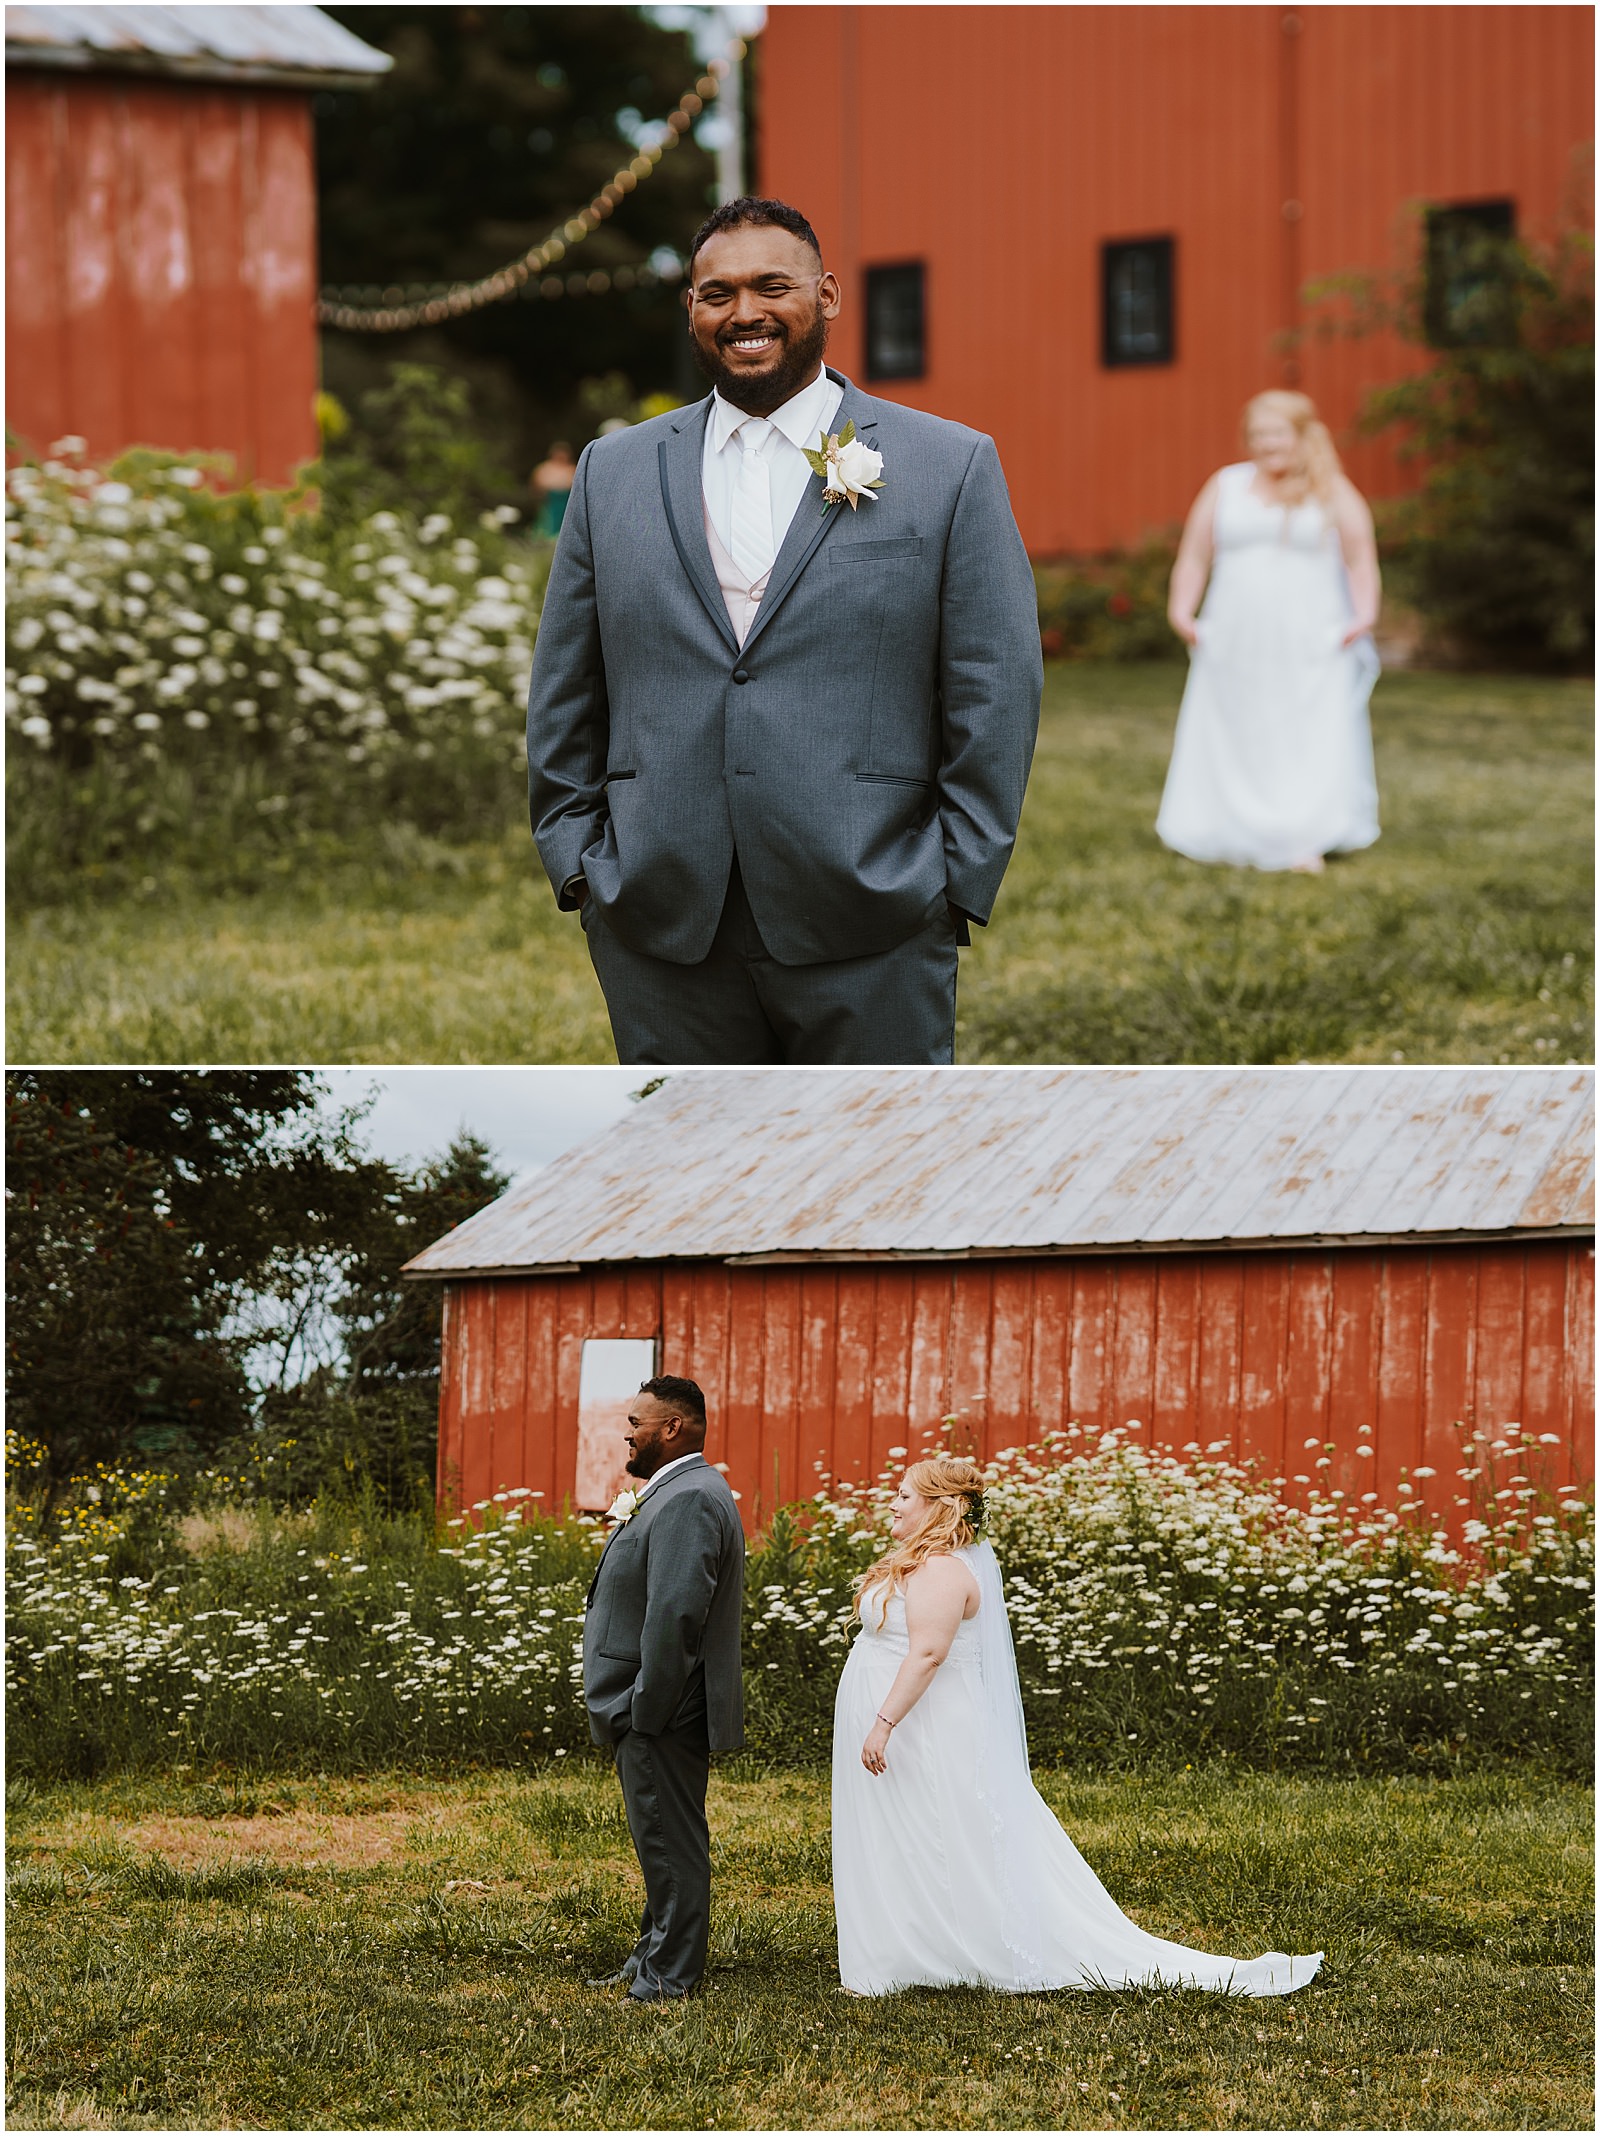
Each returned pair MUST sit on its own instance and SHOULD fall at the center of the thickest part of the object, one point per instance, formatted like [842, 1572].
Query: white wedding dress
[950, 1869]
[1272, 760]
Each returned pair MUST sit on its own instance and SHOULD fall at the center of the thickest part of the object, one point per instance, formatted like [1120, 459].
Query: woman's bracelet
[887, 1722]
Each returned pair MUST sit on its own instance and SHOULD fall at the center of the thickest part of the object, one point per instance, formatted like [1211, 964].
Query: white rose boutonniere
[623, 1507]
[849, 469]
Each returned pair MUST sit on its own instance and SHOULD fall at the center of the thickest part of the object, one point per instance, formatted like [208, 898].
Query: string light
[529, 277]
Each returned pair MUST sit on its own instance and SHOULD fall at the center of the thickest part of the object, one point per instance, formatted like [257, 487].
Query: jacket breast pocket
[899, 549]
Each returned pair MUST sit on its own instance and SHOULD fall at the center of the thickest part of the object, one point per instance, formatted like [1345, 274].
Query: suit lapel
[683, 494]
[811, 523]
[650, 1499]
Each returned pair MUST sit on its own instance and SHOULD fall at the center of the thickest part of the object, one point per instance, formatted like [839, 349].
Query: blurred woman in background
[551, 483]
[1272, 761]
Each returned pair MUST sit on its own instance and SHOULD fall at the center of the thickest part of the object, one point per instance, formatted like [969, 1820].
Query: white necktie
[751, 527]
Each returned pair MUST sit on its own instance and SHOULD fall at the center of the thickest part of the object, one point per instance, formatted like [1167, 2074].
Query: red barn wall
[825, 1366]
[1003, 145]
[160, 268]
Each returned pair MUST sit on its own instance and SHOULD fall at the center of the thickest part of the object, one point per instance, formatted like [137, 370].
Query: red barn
[1088, 230]
[1370, 1257]
[161, 226]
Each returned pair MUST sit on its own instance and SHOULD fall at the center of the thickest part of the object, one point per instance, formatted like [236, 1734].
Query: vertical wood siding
[1003, 145]
[160, 269]
[814, 1373]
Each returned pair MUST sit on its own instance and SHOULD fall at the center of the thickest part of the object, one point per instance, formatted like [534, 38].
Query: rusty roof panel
[729, 1162]
[289, 45]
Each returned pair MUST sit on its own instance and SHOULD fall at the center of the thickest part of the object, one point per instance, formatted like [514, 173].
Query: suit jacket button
[741, 675]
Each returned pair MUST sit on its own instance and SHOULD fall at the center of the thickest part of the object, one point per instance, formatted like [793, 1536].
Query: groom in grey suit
[661, 1675]
[777, 745]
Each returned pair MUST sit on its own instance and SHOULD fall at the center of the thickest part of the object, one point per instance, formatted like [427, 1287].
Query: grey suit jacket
[661, 1633]
[865, 751]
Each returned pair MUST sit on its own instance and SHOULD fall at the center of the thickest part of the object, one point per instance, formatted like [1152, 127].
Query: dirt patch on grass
[294, 1838]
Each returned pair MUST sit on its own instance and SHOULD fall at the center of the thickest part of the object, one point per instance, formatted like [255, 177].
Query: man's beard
[800, 362]
[632, 1464]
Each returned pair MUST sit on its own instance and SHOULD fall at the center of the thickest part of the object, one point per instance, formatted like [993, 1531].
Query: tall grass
[1166, 1612]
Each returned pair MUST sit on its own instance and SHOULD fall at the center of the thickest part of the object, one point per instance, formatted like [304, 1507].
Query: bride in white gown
[1272, 760]
[949, 1868]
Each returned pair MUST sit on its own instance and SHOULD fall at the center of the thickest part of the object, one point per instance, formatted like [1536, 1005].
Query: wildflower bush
[1166, 1611]
[1108, 607]
[180, 657]
[339, 1638]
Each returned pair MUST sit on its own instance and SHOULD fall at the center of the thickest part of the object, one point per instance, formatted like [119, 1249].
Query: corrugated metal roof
[292, 46]
[735, 1164]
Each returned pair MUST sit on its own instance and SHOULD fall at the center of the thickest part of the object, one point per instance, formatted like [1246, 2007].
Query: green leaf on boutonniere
[818, 460]
[847, 436]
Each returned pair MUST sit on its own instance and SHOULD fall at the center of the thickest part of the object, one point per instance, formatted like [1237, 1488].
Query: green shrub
[183, 662]
[1108, 607]
[1496, 547]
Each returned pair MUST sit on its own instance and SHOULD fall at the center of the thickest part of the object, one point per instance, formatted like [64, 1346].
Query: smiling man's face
[759, 308]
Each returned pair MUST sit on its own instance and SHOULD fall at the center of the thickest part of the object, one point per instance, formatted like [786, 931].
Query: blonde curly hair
[1316, 467]
[953, 1485]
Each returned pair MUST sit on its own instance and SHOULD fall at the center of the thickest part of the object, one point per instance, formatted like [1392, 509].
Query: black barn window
[1467, 295]
[1136, 316]
[896, 332]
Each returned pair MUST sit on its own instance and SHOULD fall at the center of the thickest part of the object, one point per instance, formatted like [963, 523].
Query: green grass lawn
[409, 1952]
[1464, 935]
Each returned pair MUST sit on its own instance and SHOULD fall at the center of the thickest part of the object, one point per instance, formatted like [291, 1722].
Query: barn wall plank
[890, 1416]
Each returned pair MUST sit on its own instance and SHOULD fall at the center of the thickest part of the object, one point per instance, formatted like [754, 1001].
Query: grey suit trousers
[664, 1793]
[739, 1007]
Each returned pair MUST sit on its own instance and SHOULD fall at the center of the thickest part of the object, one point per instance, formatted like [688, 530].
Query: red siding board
[1352, 1363]
[1451, 1364]
[778, 1440]
[819, 1329]
[891, 1366]
[928, 1399]
[1089, 1384]
[1134, 1343]
[1172, 1402]
[1010, 1356]
[971, 1317]
[852, 1364]
[1308, 1358]
[1497, 1392]
[1264, 1320]
[1219, 1384]
[1402, 1354]
[1052, 1326]
[738, 1420]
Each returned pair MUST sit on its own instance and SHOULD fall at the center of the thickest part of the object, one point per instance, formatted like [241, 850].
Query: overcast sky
[526, 1115]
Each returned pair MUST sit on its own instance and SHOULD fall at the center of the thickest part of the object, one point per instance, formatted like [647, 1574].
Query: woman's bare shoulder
[943, 1572]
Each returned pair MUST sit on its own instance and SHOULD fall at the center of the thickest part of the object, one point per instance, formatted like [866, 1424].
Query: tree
[370, 1423]
[495, 124]
[206, 1264]
[142, 1209]
[1498, 543]
[392, 1326]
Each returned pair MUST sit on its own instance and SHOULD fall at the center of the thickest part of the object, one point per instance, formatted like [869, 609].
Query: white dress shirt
[798, 424]
[666, 1469]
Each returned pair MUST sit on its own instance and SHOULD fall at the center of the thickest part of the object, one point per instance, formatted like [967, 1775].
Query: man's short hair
[751, 212]
[679, 1394]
